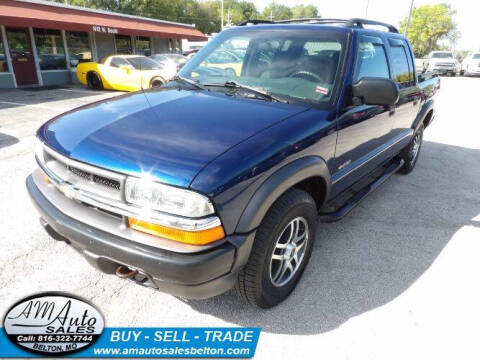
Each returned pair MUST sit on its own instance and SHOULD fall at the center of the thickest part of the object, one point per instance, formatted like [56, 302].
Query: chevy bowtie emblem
[68, 190]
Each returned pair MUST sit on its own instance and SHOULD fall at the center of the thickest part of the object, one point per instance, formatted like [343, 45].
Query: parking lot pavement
[396, 279]
[22, 111]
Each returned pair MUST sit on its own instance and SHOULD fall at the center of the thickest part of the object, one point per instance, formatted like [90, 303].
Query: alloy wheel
[289, 252]
[417, 141]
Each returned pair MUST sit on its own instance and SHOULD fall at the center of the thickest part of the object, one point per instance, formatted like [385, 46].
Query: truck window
[301, 65]
[401, 71]
[441, 55]
[371, 61]
[411, 66]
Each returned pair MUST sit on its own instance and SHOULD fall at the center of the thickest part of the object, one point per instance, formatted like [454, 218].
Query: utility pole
[228, 18]
[222, 16]
[271, 11]
[366, 9]
[409, 18]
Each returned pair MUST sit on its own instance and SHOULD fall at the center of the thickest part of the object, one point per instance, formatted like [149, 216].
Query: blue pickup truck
[218, 179]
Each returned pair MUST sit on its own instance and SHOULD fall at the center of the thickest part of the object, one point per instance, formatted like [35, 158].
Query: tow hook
[125, 272]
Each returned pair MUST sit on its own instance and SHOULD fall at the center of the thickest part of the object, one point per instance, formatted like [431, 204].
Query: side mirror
[376, 91]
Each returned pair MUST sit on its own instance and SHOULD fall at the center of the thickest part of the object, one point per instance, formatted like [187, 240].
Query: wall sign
[104, 29]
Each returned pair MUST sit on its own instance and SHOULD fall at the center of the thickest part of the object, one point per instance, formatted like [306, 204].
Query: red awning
[53, 16]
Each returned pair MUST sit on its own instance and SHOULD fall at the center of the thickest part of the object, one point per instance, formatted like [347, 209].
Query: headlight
[165, 198]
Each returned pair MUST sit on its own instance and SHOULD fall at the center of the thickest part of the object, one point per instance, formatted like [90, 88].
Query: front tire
[410, 153]
[94, 81]
[280, 252]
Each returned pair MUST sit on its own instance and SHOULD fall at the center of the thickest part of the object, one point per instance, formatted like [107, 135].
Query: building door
[22, 56]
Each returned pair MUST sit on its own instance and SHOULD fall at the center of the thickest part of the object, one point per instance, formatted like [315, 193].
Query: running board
[361, 194]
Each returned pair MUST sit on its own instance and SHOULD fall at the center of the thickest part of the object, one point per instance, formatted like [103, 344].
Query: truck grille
[80, 173]
[114, 184]
[445, 64]
[89, 178]
[97, 179]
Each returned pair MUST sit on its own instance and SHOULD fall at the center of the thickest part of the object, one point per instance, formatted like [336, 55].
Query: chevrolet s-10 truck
[217, 180]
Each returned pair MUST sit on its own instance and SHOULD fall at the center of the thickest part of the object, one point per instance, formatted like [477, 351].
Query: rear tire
[278, 258]
[410, 153]
[156, 82]
[94, 81]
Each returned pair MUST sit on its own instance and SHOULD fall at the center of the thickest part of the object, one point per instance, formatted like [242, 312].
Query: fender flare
[275, 185]
[422, 114]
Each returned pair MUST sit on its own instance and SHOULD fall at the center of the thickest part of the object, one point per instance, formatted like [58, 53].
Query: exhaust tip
[125, 272]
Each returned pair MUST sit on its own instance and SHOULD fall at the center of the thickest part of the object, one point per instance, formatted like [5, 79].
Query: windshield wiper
[264, 93]
[178, 78]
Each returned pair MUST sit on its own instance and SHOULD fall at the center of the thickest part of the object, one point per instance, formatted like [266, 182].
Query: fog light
[201, 237]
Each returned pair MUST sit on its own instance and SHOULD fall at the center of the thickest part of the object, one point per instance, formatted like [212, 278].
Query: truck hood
[444, 61]
[169, 134]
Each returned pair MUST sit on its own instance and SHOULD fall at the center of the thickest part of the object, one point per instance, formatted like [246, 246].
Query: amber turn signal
[44, 176]
[201, 237]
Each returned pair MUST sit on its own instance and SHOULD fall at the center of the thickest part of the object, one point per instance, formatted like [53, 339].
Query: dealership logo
[53, 323]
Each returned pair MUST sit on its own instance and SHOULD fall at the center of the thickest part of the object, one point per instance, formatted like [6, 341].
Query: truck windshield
[292, 64]
[442, 55]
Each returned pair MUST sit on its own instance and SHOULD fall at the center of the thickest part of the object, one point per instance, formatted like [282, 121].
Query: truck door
[404, 75]
[362, 129]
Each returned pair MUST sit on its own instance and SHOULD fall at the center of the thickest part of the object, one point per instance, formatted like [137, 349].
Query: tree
[429, 25]
[277, 11]
[205, 14]
[249, 10]
[234, 10]
[304, 11]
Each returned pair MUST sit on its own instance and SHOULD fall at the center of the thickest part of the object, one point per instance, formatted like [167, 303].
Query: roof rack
[354, 22]
[255, 22]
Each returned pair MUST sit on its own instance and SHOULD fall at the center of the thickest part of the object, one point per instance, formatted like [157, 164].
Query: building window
[78, 46]
[142, 45]
[3, 57]
[50, 49]
[123, 44]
